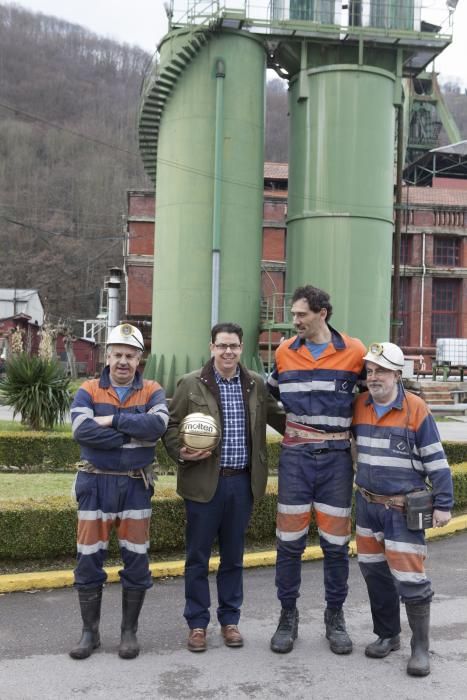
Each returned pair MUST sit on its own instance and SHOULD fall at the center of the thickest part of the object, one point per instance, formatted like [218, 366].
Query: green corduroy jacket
[197, 392]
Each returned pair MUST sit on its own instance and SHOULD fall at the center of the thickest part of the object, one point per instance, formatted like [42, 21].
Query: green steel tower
[201, 137]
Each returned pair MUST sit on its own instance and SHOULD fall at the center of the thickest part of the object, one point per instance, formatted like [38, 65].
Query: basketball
[199, 432]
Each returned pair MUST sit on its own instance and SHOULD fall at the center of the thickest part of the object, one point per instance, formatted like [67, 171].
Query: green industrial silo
[201, 138]
[341, 170]
[209, 194]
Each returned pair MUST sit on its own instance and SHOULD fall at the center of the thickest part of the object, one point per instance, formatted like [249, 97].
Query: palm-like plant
[36, 388]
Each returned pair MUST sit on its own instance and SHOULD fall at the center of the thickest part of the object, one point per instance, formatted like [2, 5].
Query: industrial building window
[445, 309]
[404, 310]
[446, 251]
[403, 317]
[406, 250]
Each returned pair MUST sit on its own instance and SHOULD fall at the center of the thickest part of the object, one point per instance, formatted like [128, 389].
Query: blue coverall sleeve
[149, 425]
[85, 429]
[428, 443]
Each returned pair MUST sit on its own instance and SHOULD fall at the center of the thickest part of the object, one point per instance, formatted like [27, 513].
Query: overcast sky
[144, 23]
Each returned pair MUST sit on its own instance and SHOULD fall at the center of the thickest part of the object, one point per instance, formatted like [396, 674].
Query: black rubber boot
[382, 647]
[339, 640]
[132, 602]
[419, 621]
[286, 632]
[90, 603]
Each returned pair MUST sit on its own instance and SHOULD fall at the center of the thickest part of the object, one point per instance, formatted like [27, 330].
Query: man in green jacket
[219, 486]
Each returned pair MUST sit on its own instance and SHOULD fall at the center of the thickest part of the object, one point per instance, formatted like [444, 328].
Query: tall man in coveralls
[315, 376]
[398, 447]
[117, 421]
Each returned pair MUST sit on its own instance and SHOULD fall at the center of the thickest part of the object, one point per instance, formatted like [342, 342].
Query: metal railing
[275, 310]
[275, 317]
[427, 16]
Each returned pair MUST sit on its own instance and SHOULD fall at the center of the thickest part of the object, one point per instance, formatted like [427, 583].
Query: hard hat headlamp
[376, 349]
[126, 330]
[126, 334]
[387, 355]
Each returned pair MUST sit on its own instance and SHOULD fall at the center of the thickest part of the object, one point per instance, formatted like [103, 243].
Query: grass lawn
[15, 486]
[18, 486]
[17, 426]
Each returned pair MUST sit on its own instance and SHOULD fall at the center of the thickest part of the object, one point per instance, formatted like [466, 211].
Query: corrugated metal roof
[458, 149]
[435, 196]
[276, 171]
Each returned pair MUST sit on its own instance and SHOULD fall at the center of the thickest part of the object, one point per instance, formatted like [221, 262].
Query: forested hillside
[62, 195]
[68, 154]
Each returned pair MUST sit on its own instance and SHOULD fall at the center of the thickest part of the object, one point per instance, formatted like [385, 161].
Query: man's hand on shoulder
[104, 421]
[187, 455]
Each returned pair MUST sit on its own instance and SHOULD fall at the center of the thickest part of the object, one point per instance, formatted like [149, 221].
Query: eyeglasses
[223, 347]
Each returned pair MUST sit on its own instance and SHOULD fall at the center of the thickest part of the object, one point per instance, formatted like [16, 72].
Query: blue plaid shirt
[234, 450]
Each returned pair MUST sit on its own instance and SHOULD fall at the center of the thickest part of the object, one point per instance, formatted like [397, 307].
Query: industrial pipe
[113, 298]
[217, 191]
[422, 290]
[397, 230]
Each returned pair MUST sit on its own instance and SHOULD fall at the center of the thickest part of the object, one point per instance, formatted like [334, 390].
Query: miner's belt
[147, 475]
[299, 434]
[397, 501]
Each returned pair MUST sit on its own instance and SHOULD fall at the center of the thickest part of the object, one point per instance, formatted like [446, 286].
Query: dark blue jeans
[226, 517]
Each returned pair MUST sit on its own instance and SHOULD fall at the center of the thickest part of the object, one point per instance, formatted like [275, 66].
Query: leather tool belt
[299, 434]
[397, 501]
[146, 473]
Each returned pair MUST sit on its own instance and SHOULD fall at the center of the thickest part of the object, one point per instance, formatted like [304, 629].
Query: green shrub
[456, 452]
[42, 451]
[36, 388]
[46, 528]
[38, 529]
[38, 451]
[459, 477]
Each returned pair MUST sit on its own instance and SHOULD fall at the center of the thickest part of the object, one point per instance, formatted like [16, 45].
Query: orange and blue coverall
[116, 498]
[316, 393]
[396, 453]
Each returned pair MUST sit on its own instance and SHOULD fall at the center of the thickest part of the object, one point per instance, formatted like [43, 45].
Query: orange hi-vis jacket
[319, 393]
[397, 452]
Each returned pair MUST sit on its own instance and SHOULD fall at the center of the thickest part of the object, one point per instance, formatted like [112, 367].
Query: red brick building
[433, 290]
[434, 264]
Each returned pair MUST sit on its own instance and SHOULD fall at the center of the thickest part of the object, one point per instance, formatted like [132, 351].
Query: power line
[39, 230]
[46, 122]
[187, 168]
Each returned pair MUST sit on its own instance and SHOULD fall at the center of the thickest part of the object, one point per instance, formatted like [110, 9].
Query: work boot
[382, 647]
[339, 640]
[90, 604]
[419, 621]
[132, 602]
[286, 632]
[197, 639]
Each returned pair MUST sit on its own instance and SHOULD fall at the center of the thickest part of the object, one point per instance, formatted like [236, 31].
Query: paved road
[36, 629]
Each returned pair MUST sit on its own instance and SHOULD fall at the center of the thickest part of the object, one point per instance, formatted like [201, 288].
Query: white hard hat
[386, 355]
[126, 334]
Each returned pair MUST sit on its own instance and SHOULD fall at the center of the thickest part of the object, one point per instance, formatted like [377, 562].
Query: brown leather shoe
[197, 639]
[232, 636]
